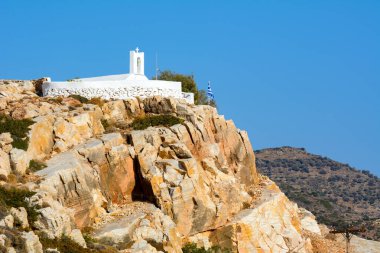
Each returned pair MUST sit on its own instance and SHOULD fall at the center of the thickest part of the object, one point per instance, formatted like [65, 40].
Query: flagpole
[208, 87]
[210, 95]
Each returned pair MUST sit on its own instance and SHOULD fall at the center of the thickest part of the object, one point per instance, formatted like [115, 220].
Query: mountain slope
[336, 193]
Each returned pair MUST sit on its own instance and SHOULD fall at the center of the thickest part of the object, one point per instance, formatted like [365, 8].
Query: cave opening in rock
[143, 189]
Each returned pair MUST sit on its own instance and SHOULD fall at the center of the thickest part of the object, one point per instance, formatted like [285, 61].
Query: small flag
[210, 95]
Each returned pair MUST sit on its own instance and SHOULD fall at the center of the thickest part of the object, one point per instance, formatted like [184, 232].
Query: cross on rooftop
[137, 49]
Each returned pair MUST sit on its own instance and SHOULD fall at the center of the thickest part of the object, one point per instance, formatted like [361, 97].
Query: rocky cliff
[90, 178]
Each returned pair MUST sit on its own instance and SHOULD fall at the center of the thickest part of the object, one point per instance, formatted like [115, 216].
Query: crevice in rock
[143, 189]
[189, 131]
[129, 139]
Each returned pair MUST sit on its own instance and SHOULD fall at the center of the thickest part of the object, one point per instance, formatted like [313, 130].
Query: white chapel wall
[117, 89]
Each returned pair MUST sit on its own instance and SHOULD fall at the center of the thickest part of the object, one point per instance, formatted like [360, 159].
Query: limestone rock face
[149, 190]
[70, 180]
[199, 172]
[272, 224]
[308, 221]
[41, 138]
[86, 179]
[119, 176]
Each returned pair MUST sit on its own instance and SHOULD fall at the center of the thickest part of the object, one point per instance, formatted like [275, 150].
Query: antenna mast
[157, 66]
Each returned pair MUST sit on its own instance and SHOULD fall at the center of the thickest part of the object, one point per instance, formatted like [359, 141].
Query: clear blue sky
[297, 73]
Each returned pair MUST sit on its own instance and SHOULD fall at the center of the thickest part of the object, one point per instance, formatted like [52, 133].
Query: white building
[134, 84]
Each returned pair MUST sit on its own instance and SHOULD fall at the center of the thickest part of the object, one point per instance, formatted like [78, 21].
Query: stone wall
[123, 89]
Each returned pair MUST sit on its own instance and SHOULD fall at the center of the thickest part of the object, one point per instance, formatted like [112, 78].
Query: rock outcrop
[150, 190]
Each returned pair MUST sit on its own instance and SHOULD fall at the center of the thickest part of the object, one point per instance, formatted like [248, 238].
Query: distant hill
[335, 192]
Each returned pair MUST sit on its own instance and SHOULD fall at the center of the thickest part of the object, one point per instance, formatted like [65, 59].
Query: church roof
[120, 77]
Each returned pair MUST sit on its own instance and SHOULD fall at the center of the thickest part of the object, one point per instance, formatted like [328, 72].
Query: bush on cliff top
[155, 120]
[18, 128]
[188, 85]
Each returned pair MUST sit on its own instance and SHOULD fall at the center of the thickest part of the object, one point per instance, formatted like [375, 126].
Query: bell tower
[136, 62]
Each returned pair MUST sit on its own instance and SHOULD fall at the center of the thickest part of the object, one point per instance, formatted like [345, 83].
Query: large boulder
[76, 236]
[54, 221]
[115, 112]
[21, 217]
[71, 130]
[32, 243]
[145, 223]
[41, 137]
[6, 142]
[19, 160]
[7, 221]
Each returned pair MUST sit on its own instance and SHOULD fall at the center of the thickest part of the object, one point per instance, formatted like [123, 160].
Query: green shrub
[192, 248]
[14, 197]
[17, 128]
[155, 120]
[35, 165]
[326, 204]
[80, 98]
[20, 143]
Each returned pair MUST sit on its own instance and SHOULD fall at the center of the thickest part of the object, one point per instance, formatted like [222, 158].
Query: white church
[124, 86]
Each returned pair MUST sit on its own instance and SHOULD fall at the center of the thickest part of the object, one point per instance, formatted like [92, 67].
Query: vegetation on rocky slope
[66, 245]
[192, 248]
[35, 165]
[18, 128]
[155, 120]
[336, 193]
[14, 197]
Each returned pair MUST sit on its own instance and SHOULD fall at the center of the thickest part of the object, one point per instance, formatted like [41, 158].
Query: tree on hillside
[188, 85]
